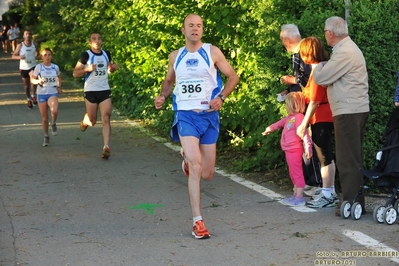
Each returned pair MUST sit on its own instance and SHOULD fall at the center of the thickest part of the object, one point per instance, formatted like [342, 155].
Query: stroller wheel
[345, 209]
[356, 211]
[396, 205]
[390, 215]
[378, 214]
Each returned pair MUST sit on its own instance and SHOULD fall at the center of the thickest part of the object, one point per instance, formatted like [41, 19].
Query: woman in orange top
[319, 116]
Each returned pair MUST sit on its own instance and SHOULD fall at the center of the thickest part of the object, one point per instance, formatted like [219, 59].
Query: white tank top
[50, 74]
[197, 79]
[30, 56]
[97, 80]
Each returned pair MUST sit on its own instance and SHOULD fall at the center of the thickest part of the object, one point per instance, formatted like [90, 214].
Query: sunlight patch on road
[10, 74]
[67, 125]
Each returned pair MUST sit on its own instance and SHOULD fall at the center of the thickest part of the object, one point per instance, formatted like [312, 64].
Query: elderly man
[290, 38]
[345, 75]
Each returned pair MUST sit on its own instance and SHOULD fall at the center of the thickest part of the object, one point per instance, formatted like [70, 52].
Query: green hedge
[141, 34]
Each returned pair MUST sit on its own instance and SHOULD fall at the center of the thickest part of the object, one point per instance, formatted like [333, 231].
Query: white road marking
[262, 190]
[371, 243]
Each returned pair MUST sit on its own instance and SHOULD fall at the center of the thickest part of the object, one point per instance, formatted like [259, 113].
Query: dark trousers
[349, 135]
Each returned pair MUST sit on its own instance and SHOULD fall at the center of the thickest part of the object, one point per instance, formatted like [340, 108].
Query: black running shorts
[97, 96]
[322, 141]
[25, 73]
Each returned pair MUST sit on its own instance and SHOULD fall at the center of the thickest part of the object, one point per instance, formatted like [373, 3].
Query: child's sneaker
[287, 200]
[199, 230]
[295, 202]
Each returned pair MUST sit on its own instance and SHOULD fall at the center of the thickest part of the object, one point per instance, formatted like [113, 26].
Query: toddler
[293, 145]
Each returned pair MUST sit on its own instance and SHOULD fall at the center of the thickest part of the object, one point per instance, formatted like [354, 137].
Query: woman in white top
[47, 76]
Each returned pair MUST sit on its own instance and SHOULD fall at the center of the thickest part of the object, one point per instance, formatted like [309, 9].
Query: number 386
[191, 88]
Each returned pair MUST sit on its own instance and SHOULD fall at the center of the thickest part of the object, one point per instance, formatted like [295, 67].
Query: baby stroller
[385, 173]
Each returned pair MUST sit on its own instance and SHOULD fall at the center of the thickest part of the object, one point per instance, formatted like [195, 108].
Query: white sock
[106, 146]
[28, 99]
[196, 219]
[32, 95]
[332, 189]
[326, 192]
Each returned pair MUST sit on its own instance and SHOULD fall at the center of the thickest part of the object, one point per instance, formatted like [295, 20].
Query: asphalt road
[64, 205]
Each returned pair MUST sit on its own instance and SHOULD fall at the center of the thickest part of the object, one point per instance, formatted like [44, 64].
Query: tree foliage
[13, 14]
[141, 34]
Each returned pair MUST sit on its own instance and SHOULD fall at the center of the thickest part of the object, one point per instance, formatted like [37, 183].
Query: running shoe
[314, 191]
[335, 197]
[34, 100]
[307, 187]
[54, 129]
[106, 153]
[184, 165]
[200, 231]
[30, 105]
[322, 202]
[46, 141]
[83, 127]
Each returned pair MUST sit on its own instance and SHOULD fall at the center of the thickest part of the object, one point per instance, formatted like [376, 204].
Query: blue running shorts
[43, 98]
[202, 125]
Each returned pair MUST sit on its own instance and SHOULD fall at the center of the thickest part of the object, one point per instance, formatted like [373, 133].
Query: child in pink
[293, 145]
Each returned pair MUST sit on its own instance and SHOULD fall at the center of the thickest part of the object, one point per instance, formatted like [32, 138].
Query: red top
[318, 93]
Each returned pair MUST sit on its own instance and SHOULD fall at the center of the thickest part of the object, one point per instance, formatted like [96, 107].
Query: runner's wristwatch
[222, 97]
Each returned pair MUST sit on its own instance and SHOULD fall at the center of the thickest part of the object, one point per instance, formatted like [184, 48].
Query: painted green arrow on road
[149, 208]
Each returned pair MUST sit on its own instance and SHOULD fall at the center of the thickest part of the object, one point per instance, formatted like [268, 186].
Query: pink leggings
[294, 161]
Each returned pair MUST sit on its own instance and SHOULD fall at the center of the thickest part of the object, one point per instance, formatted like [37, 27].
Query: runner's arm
[80, 69]
[167, 84]
[59, 83]
[220, 61]
[16, 55]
